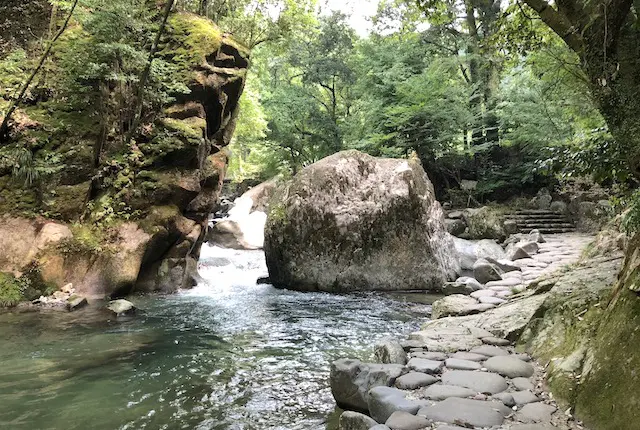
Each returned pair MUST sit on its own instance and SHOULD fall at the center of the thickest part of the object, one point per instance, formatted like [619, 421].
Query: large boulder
[355, 222]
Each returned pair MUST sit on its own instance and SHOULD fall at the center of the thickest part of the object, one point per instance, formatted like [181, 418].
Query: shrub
[11, 290]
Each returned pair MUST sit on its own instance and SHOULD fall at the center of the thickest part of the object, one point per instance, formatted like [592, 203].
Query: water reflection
[228, 354]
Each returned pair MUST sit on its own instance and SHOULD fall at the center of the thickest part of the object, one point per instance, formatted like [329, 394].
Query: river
[228, 354]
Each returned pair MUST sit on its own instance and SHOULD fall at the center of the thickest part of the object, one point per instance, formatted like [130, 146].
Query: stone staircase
[546, 221]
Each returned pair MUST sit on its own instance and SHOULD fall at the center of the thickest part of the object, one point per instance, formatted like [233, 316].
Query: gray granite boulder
[480, 382]
[353, 222]
[400, 420]
[470, 251]
[509, 366]
[441, 392]
[351, 381]
[425, 366]
[485, 272]
[415, 380]
[389, 351]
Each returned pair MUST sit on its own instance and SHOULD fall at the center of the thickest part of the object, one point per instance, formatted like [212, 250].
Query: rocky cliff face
[355, 222]
[132, 214]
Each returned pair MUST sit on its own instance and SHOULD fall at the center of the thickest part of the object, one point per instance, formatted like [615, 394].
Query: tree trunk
[145, 74]
[4, 127]
[605, 35]
[475, 100]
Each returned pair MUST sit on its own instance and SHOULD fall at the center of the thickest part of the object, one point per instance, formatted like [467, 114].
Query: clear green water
[229, 354]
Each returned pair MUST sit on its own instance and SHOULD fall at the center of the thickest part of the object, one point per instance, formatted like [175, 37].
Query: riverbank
[495, 369]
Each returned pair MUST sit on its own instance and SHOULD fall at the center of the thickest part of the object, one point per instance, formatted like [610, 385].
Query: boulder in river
[122, 307]
[355, 222]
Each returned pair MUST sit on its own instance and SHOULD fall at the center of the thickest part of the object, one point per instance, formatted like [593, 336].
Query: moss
[193, 38]
[10, 290]
[158, 217]
[191, 128]
[608, 398]
[86, 240]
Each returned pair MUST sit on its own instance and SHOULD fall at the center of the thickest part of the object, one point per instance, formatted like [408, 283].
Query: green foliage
[10, 290]
[631, 218]
[86, 240]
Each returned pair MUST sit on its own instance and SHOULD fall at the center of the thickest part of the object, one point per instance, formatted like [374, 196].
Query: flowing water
[228, 354]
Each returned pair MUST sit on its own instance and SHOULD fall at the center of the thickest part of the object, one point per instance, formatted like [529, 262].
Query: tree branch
[559, 23]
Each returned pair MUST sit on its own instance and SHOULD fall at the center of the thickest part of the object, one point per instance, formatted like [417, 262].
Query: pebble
[458, 364]
[509, 366]
[506, 398]
[415, 380]
[480, 382]
[424, 365]
[495, 341]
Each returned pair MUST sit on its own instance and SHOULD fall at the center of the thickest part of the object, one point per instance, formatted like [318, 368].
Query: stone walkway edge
[461, 370]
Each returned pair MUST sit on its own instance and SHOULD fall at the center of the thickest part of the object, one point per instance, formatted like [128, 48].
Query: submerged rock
[354, 222]
[122, 307]
[76, 302]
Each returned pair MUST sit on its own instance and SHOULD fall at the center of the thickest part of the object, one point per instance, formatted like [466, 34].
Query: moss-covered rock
[484, 223]
[149, 198]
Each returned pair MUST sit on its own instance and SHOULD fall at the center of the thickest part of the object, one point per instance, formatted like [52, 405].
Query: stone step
[536, 212]
[533, 225]
[549, 230]
[538, 217]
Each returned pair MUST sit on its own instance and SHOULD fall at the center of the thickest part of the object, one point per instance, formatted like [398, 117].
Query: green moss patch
[192, 38]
